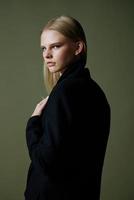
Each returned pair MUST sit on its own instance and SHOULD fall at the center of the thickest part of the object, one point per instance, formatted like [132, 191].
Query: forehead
[49, 37]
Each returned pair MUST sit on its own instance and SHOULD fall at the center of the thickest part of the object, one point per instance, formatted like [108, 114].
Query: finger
[44, 98]
[43, 101]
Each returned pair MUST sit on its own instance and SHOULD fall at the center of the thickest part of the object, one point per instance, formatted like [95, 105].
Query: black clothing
[67, 142]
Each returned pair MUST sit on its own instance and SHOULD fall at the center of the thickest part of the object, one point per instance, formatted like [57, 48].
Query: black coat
[67, 142]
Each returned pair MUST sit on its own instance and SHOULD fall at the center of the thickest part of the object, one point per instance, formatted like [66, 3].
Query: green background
[109, 27]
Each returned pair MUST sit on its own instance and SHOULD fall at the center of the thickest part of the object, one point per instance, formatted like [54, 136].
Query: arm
[44, 142]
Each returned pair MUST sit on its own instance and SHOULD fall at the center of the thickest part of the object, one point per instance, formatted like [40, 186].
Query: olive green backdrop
[109, 27]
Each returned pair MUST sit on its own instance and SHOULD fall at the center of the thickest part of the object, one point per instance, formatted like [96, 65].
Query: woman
[68, 131]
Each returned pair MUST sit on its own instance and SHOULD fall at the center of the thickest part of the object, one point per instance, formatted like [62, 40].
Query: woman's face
[58, 50]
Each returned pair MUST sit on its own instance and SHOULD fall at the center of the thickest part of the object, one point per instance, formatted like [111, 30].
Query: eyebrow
[52, 44]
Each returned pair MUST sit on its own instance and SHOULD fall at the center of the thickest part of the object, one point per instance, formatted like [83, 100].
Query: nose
[47, 54]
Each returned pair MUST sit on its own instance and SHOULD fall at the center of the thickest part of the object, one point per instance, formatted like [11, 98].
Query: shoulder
[78, 88]
[67, 88]
[59, 93]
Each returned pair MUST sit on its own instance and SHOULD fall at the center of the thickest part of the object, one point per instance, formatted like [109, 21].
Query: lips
[50, 64]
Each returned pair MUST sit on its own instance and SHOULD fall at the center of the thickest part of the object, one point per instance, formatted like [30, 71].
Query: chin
[52, 70]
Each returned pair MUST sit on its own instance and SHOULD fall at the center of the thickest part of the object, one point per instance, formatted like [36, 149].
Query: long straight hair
[72, 29]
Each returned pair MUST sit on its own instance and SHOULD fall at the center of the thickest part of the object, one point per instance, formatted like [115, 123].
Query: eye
[56, 46]
[43, 48]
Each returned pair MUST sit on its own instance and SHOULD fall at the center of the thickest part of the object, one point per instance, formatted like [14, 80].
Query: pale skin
[39, 107]
[57, 51]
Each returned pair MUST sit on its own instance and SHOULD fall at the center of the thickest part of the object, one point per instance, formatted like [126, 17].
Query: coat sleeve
[33, 131]
[44, 142]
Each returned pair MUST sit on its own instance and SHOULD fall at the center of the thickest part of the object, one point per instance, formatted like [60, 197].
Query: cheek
[65, 55]
[59, 56]
[68, 57]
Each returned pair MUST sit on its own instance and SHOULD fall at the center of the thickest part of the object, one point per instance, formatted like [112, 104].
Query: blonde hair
[71, 29]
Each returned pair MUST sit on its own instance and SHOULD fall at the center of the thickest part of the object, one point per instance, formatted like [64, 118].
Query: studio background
[109, 28]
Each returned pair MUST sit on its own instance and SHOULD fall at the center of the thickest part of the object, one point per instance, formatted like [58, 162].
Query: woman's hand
[39, 107]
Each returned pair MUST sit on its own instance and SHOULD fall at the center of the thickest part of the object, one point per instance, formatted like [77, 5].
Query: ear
[79, 47]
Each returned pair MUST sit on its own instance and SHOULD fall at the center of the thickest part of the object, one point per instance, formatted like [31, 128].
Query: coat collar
[75, 69]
